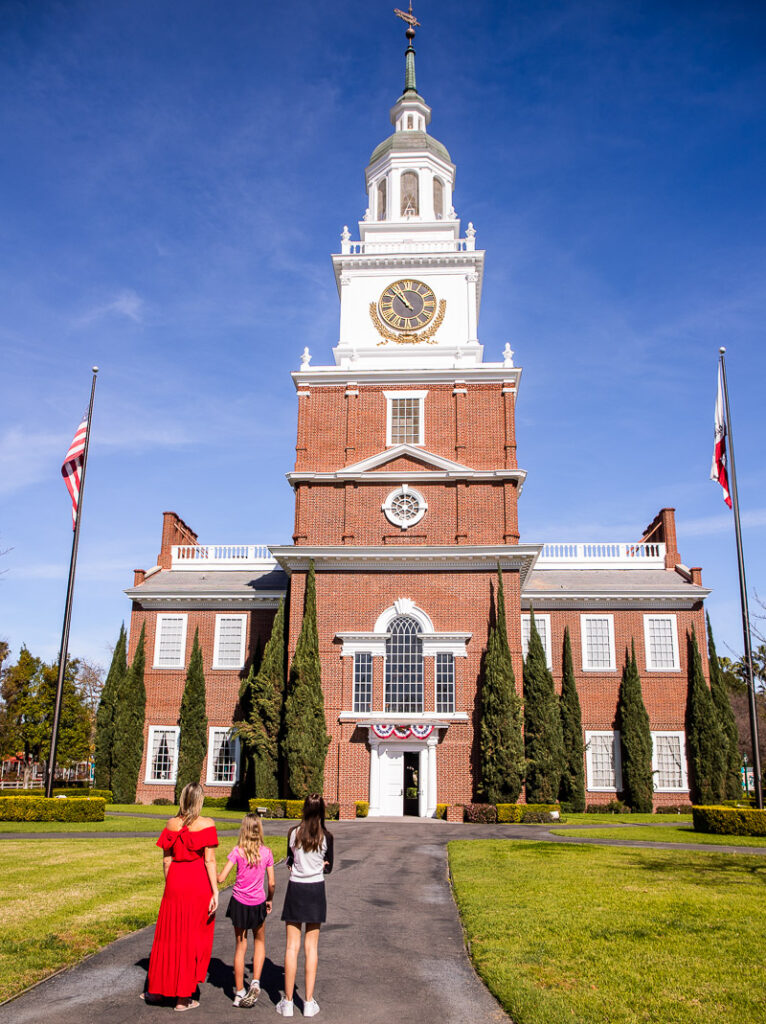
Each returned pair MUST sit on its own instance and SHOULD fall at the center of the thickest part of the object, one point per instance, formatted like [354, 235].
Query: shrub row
[75, 793]
[674, 809]
[293, 809]
[362, 808]
[229, 803]
[441, 811]
[729, 821]
[613, 807]
[41, 808]
[489, 814]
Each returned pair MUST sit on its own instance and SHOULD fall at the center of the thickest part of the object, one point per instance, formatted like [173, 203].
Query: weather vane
[409, 17]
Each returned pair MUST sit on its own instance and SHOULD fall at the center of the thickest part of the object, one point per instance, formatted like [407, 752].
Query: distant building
[406, 489]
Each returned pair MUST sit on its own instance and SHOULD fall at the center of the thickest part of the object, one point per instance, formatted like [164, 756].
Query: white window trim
[353, 681]
[676, 666]
[157, 636]
[242, 644]
[237, 750]
[615, 734]
[454, 684]
[684, 788]
[148, 778]
[389, 396]
[387, 506]
[584, 619]
[547, 645]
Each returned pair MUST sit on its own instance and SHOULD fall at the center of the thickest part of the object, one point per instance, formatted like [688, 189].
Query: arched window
[410, 203]
[404, 666]
[409, 121]
[382, 199]
[438, 198]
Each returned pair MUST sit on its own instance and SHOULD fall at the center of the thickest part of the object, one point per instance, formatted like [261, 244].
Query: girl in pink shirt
[249, 904]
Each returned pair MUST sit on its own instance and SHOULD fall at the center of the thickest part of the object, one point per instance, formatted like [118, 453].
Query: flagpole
[743, 593]
[68, 607]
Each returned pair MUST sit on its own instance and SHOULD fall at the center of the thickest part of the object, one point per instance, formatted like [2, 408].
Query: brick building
[406, 488]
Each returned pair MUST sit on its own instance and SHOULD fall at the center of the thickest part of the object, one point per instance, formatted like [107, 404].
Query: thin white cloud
[126, 303]
[704, 526]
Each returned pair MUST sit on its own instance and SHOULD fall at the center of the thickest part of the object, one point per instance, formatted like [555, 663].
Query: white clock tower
[410, 234]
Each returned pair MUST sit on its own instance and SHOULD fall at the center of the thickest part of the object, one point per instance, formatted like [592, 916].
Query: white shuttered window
[230, 632]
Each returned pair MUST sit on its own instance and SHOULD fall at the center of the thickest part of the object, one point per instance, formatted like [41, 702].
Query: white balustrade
[221, 556]
[614, 555]
[349, 248]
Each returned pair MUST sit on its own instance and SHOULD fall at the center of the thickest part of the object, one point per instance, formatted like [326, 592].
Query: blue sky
[174, 176]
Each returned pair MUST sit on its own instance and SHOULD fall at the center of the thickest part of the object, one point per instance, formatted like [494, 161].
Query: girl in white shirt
[309, 859]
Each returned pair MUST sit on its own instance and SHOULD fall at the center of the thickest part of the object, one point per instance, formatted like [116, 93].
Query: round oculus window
[405, 507]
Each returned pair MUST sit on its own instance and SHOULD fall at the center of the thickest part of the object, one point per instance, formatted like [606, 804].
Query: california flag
[718, 469]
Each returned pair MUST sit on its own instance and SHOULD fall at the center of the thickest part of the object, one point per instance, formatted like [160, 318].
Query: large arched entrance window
[404, 666]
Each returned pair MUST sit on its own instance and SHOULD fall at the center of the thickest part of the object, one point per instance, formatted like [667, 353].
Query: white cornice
[412, 558]
[369, 718]
[205, 600]
[571, 599]
[412, 476]
[337, 376]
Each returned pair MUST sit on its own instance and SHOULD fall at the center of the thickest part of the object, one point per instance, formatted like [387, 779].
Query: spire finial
[409, 56]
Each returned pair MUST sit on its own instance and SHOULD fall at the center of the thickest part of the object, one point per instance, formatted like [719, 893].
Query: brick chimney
[696, 572]
[662, 530]
[139, 575]
[174, 531]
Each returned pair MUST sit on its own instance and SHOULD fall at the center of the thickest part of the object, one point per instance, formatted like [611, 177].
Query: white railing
[349, 248]
[571, 555]
[220, 556]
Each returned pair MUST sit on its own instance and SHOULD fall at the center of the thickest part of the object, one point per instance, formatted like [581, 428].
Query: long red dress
[183, 938]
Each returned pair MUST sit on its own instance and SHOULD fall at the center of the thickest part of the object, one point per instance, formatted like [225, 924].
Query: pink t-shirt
[249, 888]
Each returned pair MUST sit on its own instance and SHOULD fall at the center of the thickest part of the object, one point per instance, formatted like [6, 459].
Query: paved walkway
[392, 950]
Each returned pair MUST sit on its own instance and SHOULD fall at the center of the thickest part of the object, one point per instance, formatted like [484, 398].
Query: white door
[392, 782]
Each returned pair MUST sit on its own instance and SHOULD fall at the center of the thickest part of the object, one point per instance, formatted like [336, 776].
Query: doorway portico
[390, 757]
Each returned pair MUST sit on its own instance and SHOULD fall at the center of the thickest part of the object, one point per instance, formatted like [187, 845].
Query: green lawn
[677, 834]
[75, 898]
[117, 823]
[576, 934]
[624, 819]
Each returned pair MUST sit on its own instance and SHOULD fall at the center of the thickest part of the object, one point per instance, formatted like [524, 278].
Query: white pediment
[407, 451]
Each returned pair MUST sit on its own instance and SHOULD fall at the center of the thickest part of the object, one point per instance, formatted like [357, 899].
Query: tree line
[537, 742]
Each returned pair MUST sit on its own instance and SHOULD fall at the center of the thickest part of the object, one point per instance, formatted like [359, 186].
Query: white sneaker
[285, 1007]
[310, 1008]
[238, 997]
[252, 995]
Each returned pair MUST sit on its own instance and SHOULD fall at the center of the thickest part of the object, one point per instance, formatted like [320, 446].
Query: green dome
[407, 141]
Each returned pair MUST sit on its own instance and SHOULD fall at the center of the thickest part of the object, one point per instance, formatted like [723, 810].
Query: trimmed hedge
[441, 811]
[674, 809]
[480, 814]
[729, 821]
[229, 803]
[163, 801]
[40, 808]
[613, 807]
[74, 793]
[508, 813]
[292, 809]
[362, 808]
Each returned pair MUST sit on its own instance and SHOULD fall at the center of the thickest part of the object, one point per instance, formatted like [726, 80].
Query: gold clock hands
[398, 292]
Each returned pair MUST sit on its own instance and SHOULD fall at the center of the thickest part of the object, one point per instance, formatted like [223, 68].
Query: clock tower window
[410, 202]
[438, 199]
[382, 199]
[405, 417]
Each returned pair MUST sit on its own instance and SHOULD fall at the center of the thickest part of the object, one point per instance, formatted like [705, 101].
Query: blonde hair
[190, 803]
[251, 838]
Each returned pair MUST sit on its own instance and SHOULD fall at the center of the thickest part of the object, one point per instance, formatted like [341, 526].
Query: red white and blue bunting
[402, 732]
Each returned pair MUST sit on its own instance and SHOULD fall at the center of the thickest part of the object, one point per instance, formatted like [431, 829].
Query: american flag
[71, 469]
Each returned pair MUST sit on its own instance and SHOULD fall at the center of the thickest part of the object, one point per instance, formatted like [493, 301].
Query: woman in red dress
[183, 938]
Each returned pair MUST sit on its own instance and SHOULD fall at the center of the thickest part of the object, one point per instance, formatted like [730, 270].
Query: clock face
[407, 305]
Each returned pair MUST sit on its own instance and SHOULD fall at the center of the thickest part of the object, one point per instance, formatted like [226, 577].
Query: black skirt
[244, 916]
[305, 903]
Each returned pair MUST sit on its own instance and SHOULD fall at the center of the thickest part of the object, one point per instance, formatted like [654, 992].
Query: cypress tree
[192, 736]
[265, 690]
[572, 786]
[107, 708]
[501, 744]
[732, 787]
[129, 718]
[705, 740]
[543, 738]
[635, 739]
[306, 741]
